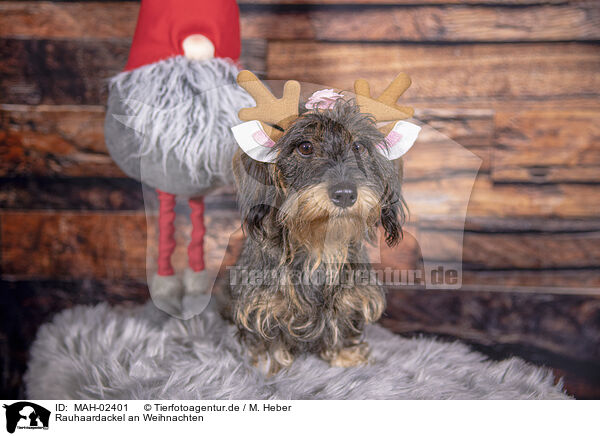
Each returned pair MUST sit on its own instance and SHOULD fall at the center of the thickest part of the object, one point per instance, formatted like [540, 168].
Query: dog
[308, 212]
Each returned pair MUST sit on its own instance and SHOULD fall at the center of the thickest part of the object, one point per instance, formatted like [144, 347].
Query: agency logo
[26, 415]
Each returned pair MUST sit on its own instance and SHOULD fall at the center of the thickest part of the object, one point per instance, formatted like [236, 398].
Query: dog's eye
[357, 147]
[305, 149]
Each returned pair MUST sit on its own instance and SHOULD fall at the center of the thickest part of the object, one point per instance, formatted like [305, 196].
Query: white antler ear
[399, 140]
[255, 142]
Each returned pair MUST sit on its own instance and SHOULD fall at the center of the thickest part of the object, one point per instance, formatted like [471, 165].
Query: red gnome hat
[163, 25]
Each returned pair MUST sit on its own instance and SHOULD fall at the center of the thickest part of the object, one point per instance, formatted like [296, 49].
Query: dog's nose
[343, 194]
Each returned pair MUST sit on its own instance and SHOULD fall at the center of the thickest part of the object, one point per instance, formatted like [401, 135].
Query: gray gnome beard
[168, 123]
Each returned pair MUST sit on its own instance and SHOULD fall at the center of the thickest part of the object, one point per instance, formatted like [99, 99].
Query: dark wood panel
[259, 3]
[501, 200]
[58, 71]
[551, 201]
[560, 332]
[348, 23]
[547, 146]
[584, 281]
[446, 73]
[508, 104]
[409, 2]
[531, 254]
[88, 193]
[417, 23]
[47, 244]
[545, 174]
[254, 56]
[68, 19]
[53, 71]
[54, 141]
[568, 325]
[506, 252]
[71, 193]
[520, 245]
[72, 245]
[526, 251]
[473, 129]
[522, 224]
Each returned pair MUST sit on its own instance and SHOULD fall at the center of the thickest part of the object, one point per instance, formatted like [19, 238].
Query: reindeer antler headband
[267, 122]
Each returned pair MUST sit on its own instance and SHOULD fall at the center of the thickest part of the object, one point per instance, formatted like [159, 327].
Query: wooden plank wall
[516, 82]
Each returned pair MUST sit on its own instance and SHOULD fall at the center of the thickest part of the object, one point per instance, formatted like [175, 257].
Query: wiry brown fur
[296, 232]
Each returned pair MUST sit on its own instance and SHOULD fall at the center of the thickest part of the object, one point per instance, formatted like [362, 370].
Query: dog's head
[323, 182]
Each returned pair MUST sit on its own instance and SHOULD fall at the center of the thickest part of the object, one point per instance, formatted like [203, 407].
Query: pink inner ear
[263, 139]
[392, 138]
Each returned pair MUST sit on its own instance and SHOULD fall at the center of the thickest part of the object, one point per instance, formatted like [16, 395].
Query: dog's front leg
[356, 306]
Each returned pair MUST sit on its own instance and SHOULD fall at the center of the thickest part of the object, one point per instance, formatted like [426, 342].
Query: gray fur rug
[114, 353]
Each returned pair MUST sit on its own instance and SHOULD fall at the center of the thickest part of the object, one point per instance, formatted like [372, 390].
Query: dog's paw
[355, 355]
[270, 363]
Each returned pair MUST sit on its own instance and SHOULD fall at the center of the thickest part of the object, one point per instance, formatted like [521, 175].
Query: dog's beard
[325, 230]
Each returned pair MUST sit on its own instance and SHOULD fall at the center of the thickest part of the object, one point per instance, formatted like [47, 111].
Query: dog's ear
[256, 193]
[393, 216]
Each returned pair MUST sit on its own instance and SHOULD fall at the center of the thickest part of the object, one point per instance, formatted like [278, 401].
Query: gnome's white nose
[198, 47]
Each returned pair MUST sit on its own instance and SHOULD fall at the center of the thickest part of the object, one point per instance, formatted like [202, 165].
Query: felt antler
[270, 111]
[384, 108]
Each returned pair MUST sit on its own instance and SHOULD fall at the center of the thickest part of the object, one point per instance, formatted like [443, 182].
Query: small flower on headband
[323, 99]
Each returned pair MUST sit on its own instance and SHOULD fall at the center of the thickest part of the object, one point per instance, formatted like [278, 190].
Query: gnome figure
[168, 122]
